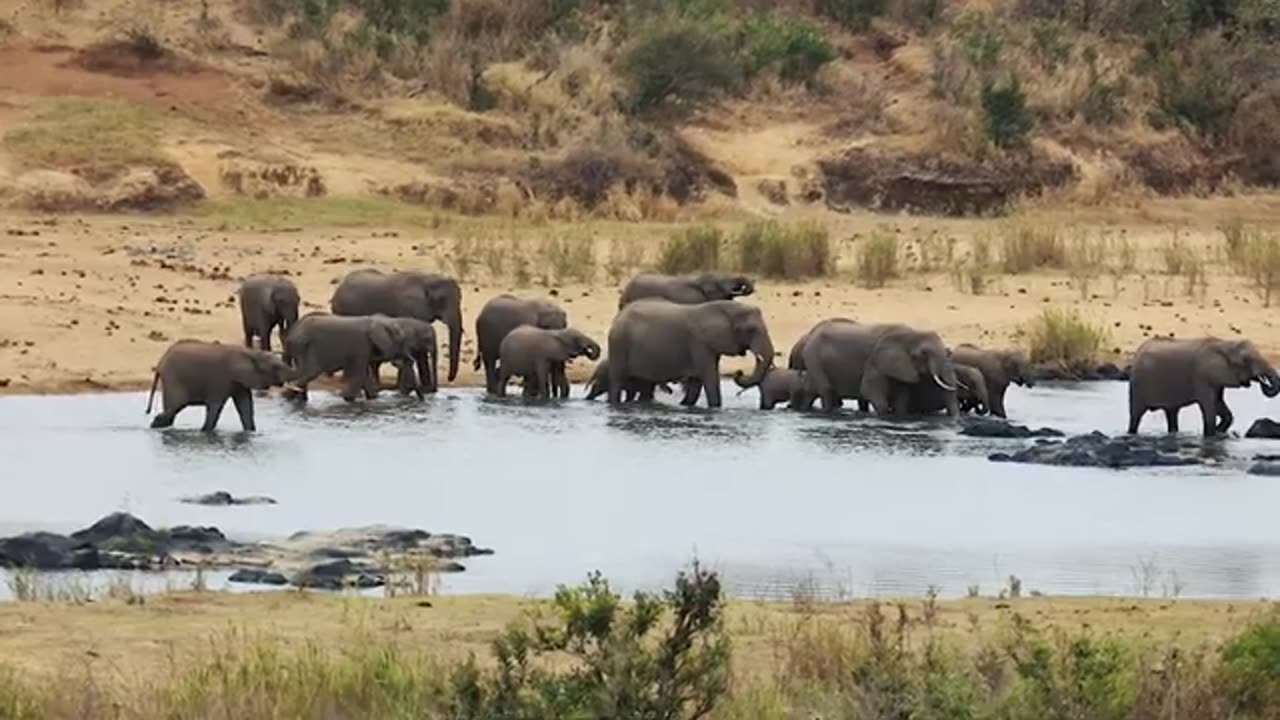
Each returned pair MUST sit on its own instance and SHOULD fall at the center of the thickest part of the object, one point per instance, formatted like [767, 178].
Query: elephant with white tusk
[660, 341]
[927, 398]
[1171, 374]
[876, 364]
[194, 372]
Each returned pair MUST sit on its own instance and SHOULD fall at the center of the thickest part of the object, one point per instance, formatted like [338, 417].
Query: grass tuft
[694, 249]
[877, 259]
[67, 133]
[791, 252]
[1064, 338]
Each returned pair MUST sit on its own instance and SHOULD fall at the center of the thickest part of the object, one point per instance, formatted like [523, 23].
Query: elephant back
[365, 292]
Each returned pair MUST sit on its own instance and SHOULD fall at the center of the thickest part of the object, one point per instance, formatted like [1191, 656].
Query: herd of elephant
[668, 329]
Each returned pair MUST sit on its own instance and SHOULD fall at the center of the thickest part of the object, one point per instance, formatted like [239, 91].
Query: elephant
[1170, 374]
[876, 363]
[321, 344]
[658, 341]
[999, 368]
[535, 353]
[795, 361]
[425, 296]
[499, 317]
[633, 389]
[927, 398]
[419, 343]
[267, 301]
[195, 372]
[685, 289]
[780, 385]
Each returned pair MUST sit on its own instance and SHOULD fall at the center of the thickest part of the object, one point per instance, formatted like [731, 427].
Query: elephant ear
[1219, 367]
[252, 369]
[709, 286]
[892, 359]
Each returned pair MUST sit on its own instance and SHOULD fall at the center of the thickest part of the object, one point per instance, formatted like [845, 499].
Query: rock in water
[1098, 450]
[221, 498]
[1264, 428]
[998, 428]
[258, 577]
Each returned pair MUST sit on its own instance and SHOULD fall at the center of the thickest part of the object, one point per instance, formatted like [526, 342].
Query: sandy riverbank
[90, 303]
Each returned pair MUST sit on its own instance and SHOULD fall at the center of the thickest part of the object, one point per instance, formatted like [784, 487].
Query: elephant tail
[155, 380]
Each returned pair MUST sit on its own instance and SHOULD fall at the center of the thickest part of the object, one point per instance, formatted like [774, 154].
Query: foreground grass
[587, 654]
[81, 133]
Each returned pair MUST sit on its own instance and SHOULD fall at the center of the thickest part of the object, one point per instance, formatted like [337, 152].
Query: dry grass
[876, 261]
[95, 135]
[1024, 248]
[1064, 338]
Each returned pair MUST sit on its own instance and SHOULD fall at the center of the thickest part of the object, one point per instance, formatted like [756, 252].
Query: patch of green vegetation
[78, 132]
[330, 211]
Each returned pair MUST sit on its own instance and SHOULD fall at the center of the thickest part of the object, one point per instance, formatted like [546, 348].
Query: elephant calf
[321, 344]
[418, 343]
[632, 390]
[537, 354]
[193, 372]
[971, 395]
[779, 385]
[267, 301]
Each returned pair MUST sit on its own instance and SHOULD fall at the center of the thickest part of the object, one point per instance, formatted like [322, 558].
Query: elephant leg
[243, 399]
[1171, 419]
[500, 381]
[709, 377]
[355, 378]
[618, 375]
[212, 411]
[490, 372]
[1136, 410]
[1207, 399]
[264, 340]
[693, 391]
[166, 418]
[1225, 418]
[900, 401]
[544, 381]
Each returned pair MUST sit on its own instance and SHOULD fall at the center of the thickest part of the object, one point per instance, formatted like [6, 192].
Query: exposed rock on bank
[360, 557]
[996, 428]
[1099, 450]
[219, 498]
[1264, 428]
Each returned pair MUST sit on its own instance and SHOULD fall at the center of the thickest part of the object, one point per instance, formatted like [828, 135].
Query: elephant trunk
[1270, 383]
[762, 348]
[454, 321]
[155, 379]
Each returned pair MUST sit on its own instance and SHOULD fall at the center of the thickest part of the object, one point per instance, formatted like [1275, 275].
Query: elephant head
[1240, 364]
[973, 393]
[549, 315]
[436, 297]
[259, 370]
[577, 344]
[731, 328]
[1016, 368]
[715, 286]
[912, 356]
[285, 297]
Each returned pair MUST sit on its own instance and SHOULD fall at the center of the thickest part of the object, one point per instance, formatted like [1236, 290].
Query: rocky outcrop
[220, 498]
[351, 557]
[1058, 371]
[997, 428]
[1265, 428]
[1099, 450]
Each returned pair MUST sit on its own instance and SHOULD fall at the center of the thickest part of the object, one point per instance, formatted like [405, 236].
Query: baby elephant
[537, 354]
[267, 301]
[778, 386]
[193, 372]
[633, 389]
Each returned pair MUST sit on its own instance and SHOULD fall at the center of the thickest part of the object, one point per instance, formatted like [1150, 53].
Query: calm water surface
[775, 500]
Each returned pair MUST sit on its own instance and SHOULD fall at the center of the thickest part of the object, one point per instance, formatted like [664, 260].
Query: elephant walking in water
[999, 369]
[779, 385]
[322, 344]
[499, 317]
[267, 301]
[425, 296]
[194, 372]
[876, 363]
[1171, 374]
[927, 398]
[537, 355]
[660, 341]
[632, 390]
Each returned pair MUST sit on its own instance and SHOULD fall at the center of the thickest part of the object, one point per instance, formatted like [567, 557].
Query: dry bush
[1176, 255]
[936, 252]
[569, 258]
[792, 252]
[877, 259]
[1024, 248]
[974, 274]
[1260, 262]
[694, 249]
[1086, 258]
[624, 259]
[1065, 338]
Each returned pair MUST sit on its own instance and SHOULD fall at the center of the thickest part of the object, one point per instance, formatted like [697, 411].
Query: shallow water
[779, 502]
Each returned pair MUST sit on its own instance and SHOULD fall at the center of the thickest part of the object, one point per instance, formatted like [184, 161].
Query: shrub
[1086, 259]
[695, 249]
[795, 47]
[1005, 114]
[1177, 255]
[771, 249]
[1024, 248]
[877, 261]
[569, 258]
[1199, 84]
[1251, 668]
[1261, 263]
[624, 258]
[1063, 337]
[856, 14]
[677, 61]
[1102, 98]
[972, 275]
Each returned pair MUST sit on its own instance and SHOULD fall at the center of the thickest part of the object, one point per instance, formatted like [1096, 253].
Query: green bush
[1005, 114]
[1251, 668]
[1063, 337]
[1199, 84]
[677, 61]
[695, 249]
[856, 14]
[793, 46]
[796, 252]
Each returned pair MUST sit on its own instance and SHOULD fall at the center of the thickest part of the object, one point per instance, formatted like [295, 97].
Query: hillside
[635, 110]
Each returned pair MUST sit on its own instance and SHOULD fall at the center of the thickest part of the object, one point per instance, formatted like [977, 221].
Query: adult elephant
[999, 369]
[1171, 374]
[927, 398]
[194, 372]
[685, 289]
[802, 399]
[505, 313]
[660, 341]
[876, 363]
[321, 344]
[425, 296]
[267, 302]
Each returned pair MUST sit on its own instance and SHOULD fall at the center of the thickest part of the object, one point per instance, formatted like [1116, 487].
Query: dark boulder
[1058, 371]
[1099, 450]
[39, 550]
[254, 576]
[339, 575]
[222, 498]
[1265, 428]
[115, 529]
[986, 427]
